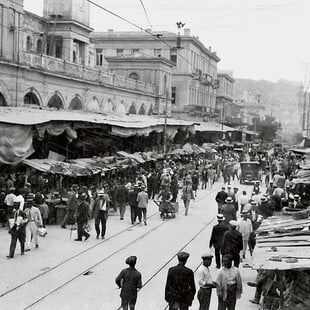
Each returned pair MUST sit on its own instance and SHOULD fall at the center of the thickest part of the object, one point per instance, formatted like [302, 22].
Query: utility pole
[166, 116]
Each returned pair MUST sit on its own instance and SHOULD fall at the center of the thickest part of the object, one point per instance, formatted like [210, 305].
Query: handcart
[167, 209]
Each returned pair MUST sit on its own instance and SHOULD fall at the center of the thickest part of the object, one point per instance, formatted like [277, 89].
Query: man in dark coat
[17, 229]
[82, 216]
[228, 210]
[220, 199]
[129, 280]
[134, 210]
[217, 237]
[121, 198]
[232, 243]
[180, 286]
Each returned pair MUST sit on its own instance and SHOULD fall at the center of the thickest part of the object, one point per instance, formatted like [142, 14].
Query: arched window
[31, 98]
[142, 110]
[134, 76]
[76, 104]
[55, 102]
[28, 43]
[121, 108]
[93, 106]
[150, 112]
[2, 101]
[132, 109]
[39, 46]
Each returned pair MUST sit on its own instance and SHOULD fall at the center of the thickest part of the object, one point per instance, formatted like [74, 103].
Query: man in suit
[71, 206]
[130, 282]
[220, 198]
[228, 210]
[82, 216]
[34, 221]
[216, 239]
[180, 286]
[17, 229]
[100, 213]
[232, 243]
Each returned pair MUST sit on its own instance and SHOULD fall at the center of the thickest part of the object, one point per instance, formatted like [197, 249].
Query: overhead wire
[145, 12]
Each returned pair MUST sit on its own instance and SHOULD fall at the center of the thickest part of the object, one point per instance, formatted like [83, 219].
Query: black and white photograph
[154, 155]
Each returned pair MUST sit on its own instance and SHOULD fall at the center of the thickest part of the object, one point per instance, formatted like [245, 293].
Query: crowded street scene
[154, 155]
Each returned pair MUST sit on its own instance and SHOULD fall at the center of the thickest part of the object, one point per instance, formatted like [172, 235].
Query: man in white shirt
[205, 282]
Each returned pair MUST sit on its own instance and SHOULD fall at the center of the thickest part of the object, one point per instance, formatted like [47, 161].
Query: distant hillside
[282, 100]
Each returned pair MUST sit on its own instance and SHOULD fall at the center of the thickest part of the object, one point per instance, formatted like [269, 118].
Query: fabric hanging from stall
[56, 130]
[16, 143]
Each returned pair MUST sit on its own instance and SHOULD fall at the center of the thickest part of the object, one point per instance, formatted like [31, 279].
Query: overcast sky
[257, 39]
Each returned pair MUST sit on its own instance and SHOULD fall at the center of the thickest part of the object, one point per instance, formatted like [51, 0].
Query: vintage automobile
[250, 171]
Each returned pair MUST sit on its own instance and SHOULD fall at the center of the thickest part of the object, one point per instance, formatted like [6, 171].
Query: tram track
[97, 263]
[125, 246]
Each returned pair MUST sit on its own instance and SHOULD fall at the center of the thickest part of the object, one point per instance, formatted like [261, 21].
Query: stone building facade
[193, 77]
[49, 62]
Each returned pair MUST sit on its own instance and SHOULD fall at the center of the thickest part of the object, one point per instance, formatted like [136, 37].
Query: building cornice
[121, 59]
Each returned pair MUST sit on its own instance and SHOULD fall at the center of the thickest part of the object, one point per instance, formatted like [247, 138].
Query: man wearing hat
[205, 282]
[228, 210]
[132, 200]
[232, 242]
[265, 208]
[130, 282]
[228, 285]
[142, 200]
[101, 212]
[17, 229]
[245, 227]
[297, 202]
[217, 236]
[180, 285]
[34, 221]
[82, 215]
[220, 198]
[71, 206]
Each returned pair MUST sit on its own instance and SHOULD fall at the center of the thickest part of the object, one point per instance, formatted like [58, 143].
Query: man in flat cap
[232, 243]
[217, 236]
[130, 282]
[228, 285]
[180, 286]
[205, 282]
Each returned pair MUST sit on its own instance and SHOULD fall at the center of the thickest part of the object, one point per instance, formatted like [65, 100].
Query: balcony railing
[60, 66]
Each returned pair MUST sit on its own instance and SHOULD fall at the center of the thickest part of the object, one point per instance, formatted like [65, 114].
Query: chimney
[187, 32]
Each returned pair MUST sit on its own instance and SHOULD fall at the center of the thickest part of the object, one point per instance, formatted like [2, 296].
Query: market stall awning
[213, 127]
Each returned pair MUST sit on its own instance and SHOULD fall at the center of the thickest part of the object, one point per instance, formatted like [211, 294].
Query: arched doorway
[2, 101]
[31, 99]
[55, 102]
[142, 110]
[39, 46]
[76, 104]
[132, 109]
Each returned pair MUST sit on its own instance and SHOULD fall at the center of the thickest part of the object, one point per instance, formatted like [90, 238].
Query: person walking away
[174, 188]
[228, 210]
[143, 200]
[132, 200]
[82, 215]
[121, 198]
[180, 285]
[39, 202]
[165, 195]
[17, 229]
[187, 195]
[130, 282]
[204, 279]
[220, 198]
[245, 227]
[72, 204]
[195, 181]
[228, 285]
[100, 213]
[151, 186]
[34, 221]
[204, 178]
[217, 236]
[232, 243]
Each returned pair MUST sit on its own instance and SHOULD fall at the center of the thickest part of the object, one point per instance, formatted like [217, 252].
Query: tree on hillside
[266, 128]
